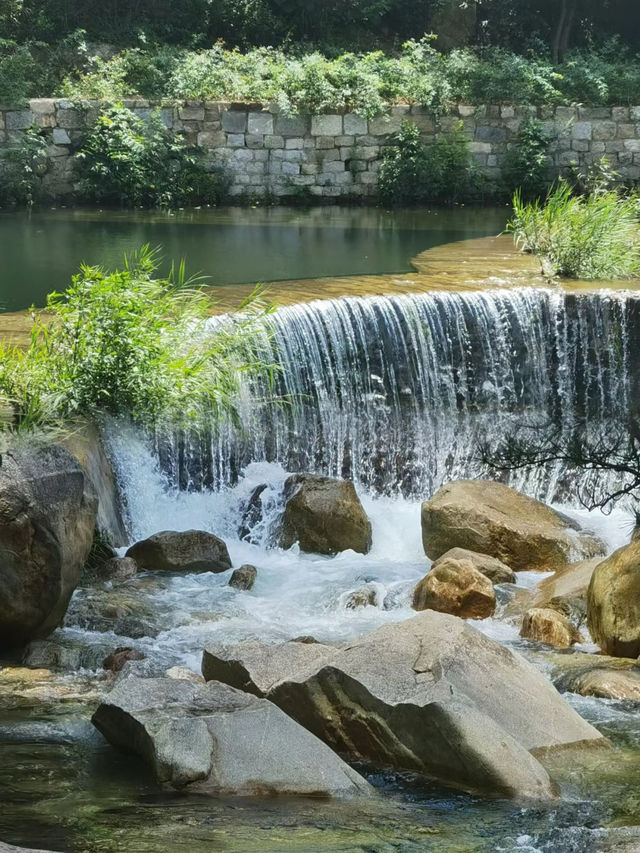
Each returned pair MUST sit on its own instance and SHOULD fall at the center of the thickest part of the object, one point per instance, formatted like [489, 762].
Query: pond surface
[42, 250]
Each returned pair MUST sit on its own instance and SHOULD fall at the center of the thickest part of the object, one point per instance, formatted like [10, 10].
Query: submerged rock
[324, 515]
[550, 626]
[493, 519]
[217, 740]
[366, 596]
[613, 603]
[244, 577]
[252, 513]
[431, 694]
[495, 570]
[47, 520]
[456, 587]
[187, 551]
[603, 682]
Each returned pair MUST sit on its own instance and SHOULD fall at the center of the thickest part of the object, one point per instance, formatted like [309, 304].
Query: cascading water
[396, 391]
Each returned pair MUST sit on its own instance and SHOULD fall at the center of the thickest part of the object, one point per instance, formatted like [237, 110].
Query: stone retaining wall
[267, 153]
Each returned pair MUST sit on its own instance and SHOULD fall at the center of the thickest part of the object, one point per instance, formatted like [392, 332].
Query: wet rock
[324, 515]
[244, 577]
[117, 569]
[9, 848]
[217, 740]
[603, 682]
[123, 611]
[183, 673]
[544, 625]
[47, 519]
[566, 590]
[364, 597]
[187, 551]
[613, 603]
[118, 658]
[456, 587]
[252, 513]
[65, 653]
[431, 694]
[304, 638]
[493, 519]
[496, 571]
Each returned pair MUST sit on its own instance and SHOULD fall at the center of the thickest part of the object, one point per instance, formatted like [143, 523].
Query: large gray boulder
[493, 519]
[184, 551]
[218, 740]
[47, 521]
[613, 603]
[324, 515]
[431, 694]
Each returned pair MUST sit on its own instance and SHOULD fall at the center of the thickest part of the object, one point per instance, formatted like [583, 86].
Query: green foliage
[527, 164]
[22, 169]
[575, 236]
[413, 171]
[127, 160]
[32, 69]
[129, 343]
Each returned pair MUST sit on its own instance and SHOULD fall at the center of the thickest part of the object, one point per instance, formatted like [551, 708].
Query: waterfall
[395, 391]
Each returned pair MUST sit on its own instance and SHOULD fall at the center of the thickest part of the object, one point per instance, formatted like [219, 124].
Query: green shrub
[22, 169]
[585, 237]
[129, 161]
[129, 343]
[442, 171]
[527, 164]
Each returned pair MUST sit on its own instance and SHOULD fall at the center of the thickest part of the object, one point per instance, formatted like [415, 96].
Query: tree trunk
[564, 28]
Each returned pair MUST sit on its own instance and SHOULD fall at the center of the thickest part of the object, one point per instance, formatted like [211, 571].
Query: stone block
[582, 145]
[632, 145]
[355, 125]
[261, 122]
[598, 147]
[423, 121]
[289, 168]
[590, 113]
[324, 142]
[234, 121]
[211, 139]
[507, 112]
[294, 142]
[480, 147]
[261, 155]
[582, 130]
[57, 151]
[19, 119]
[620, 113]
[254, 140]
[310, 168]
[466, 110]
[333, 166]
[294, 156]
[235, 140]
[634, 113]
[60, 136]
[366, 152]
[626, 131]
[255, 168]
[242, 154]
[358, 165]
[326, 125]
[604, 130]
[567, 158]
[274, 142]
[292, 125]
[70, 119]
[385, 125]
[487, 133]
[345, 140]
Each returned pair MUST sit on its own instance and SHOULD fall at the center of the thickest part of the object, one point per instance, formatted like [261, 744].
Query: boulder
[217, 740]
[456, 587]
[117, 569]
[566, 590]
[603, 682]
[496, 571]
[252, 514]
[118, 658]
[613, 603]
[431, 695]
[184, 673]
[187, 551]
[47, 521]
[244, 577]
[493, 519]
[549, 626]
[324, 515]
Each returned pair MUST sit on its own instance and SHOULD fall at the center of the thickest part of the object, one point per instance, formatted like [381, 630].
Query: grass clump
[579, 236]
[130, 343]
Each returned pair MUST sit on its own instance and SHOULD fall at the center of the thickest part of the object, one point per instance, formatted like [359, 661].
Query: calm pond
[42, 250]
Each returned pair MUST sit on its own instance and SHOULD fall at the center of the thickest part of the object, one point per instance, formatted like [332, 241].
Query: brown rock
[604, 683]
[491, 518]
[244, 577]
[117, 569]
[496, 571]
[117, 659]
[613, 603]
[545, 625]
[186, 551]
[456, 587]
[324, 515]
